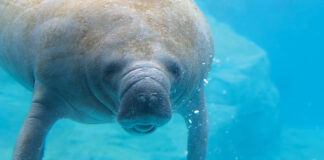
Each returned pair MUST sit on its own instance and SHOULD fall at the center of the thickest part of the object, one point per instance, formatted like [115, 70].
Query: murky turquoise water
[264, 94]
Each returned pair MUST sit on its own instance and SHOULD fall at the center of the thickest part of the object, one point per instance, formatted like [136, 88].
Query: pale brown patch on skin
[173, 24]
[124, 27]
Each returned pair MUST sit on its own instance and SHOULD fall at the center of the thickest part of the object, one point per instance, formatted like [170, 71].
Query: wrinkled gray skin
[98, 61]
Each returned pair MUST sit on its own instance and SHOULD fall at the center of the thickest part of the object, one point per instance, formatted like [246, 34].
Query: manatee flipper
[31, 139]
[196, 118]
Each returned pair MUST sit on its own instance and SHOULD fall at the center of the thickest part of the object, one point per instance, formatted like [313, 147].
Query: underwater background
[264, 94]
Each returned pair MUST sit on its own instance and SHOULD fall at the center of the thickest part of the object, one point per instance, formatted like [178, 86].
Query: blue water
[264, 94]
[291, 32]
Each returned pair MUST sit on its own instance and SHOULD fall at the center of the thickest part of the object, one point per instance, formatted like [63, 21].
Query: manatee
[101, 61]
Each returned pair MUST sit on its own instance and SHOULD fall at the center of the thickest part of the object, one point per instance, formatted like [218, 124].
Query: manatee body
[98, 61]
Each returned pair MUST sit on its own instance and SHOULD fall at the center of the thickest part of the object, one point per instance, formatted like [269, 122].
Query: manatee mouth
[143, 129]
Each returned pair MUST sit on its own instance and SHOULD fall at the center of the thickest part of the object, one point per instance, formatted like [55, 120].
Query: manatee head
[144, 93]
[138, 90]
[143, 64]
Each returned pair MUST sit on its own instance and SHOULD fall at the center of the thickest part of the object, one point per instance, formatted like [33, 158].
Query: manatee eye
[174, 69]
[111, 69]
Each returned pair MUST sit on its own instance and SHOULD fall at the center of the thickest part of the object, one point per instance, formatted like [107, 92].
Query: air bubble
[206, 81]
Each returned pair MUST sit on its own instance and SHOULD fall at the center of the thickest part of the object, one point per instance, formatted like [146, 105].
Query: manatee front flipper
[40, 118]
[195, 115]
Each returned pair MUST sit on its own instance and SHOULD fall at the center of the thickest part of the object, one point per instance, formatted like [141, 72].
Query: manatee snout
[145, 103]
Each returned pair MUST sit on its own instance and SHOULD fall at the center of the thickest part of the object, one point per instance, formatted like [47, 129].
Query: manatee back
[15, 55]
[180, 26]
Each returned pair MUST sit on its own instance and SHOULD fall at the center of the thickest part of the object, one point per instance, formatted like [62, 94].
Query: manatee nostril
[154, 97]
[151, 99]
[141, 98]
